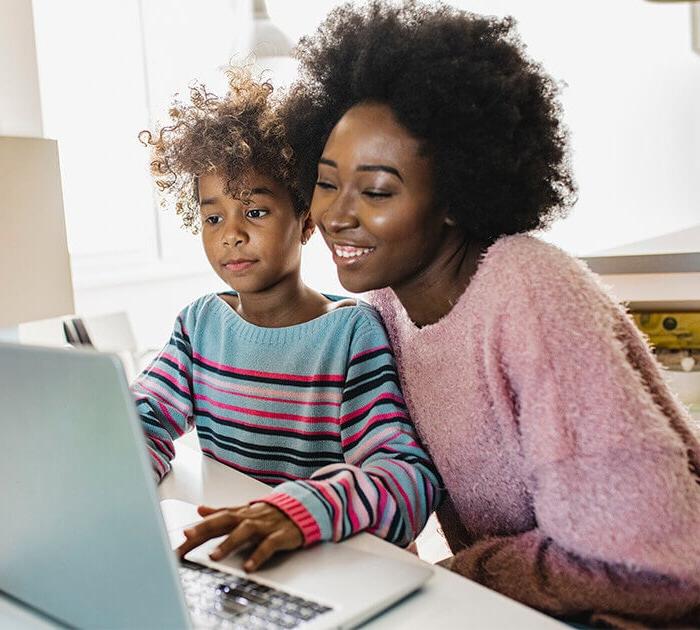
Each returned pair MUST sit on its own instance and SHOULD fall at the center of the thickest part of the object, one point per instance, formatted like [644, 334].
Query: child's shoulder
[366, 319]
[209, 306]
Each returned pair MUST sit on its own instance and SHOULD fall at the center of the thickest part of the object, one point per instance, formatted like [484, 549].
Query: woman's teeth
[346, 251]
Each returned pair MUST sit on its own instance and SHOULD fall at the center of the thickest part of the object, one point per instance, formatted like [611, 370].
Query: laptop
[82, 538]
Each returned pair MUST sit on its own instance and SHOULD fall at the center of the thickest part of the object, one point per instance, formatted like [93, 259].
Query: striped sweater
[313, 409]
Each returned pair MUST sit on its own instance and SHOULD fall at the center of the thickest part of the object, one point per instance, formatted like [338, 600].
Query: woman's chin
[357, 283]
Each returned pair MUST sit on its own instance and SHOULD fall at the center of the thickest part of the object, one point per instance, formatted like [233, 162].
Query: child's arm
[387, 485]
[163, 398]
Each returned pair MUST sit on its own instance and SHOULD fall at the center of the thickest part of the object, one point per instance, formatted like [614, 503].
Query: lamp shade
[35, 278]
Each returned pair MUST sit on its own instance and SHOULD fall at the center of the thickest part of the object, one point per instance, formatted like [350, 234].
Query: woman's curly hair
[487, 115]
[232, 135]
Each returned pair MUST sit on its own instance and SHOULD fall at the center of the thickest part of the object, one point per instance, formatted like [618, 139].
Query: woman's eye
[376, 194]
[213, 219]
[324, 185]
[256, 213]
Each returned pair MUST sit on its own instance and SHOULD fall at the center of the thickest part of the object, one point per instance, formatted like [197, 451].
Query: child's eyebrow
[262, 191]
[255, 191]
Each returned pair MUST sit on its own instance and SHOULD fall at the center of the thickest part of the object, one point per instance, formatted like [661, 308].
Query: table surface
[446, 601]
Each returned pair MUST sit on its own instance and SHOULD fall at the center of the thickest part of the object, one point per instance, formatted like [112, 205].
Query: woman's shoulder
[523, 263]
[526, 252]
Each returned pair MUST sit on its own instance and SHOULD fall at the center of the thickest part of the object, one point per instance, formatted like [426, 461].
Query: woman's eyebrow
[365, 167]
[379, 167]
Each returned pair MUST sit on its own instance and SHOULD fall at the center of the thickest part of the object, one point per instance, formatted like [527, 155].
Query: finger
[205, 510]
[277, 541]
[246, 532]
[216, 525]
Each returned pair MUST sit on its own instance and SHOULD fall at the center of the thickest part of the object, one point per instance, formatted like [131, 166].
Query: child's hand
[260, 524]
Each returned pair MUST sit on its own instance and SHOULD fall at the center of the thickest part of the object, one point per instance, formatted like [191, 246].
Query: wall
[633, 107]
[20, 104]
[632, 104]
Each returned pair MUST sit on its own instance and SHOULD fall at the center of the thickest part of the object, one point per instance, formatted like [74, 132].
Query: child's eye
[213, 219]
[324, 185]
[256, 213]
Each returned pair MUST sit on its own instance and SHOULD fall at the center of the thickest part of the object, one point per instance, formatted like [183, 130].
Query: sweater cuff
[297, 512]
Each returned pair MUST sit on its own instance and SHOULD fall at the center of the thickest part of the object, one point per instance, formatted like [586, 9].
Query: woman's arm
[611, 462]
[163, 398]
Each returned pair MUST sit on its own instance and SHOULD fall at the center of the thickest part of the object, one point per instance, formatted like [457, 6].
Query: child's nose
[234, 234]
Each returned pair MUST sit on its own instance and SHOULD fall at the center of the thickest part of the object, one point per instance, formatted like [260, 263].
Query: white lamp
[35, 278]
[271, 48]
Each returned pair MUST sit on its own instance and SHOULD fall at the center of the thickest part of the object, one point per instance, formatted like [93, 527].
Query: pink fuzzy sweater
[573, 473]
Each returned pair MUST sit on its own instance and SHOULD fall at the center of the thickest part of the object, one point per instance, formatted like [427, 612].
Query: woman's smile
[347, 255]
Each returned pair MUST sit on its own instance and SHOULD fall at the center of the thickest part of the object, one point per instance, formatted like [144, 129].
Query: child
[295, 388]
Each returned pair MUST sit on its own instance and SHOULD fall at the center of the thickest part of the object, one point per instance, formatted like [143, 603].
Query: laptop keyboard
[223, 600]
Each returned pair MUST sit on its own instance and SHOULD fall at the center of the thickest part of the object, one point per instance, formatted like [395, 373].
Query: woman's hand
[260, 524]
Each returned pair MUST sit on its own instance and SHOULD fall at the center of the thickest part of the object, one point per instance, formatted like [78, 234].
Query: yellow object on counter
[674, 331]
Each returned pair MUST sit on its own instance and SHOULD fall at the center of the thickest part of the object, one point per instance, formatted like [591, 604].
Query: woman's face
[373, 201]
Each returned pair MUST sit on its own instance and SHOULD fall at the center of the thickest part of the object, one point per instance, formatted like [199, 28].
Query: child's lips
[240, 264]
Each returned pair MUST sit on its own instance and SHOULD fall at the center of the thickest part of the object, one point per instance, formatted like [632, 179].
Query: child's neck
[287, 303]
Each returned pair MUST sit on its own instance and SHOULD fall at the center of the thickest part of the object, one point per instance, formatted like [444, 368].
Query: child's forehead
[248, 184]
[247, 181]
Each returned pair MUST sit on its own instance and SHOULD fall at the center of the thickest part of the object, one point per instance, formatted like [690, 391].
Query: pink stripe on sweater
[364, 352]
[365, 428]
[235, 392]
[369, 445]
[179, 431]
[374, 401]
[338, 378]
[352, 514]
[296, 511]
[254, 472]
[163, 395]
[267, 414]
[241, 423]
[265, 389]
[333, 500]
[411, 473]
[171, 379]
[176, 361]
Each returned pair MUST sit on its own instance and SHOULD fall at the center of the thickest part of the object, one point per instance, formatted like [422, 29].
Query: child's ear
[307, 228]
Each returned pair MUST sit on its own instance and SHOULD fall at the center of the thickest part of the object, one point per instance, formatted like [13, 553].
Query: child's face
[252, 246]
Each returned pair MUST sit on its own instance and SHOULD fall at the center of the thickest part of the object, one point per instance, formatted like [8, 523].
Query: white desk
[447, 600]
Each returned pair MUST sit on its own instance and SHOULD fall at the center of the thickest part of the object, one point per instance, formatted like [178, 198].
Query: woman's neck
[287, 303]
[433, 292]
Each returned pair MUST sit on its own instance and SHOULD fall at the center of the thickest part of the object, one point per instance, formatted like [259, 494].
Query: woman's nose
[340, 214]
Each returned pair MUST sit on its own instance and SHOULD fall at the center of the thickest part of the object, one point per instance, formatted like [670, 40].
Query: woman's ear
[307, 228]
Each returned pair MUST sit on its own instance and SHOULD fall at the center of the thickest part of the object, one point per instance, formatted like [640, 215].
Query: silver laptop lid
[81, 538]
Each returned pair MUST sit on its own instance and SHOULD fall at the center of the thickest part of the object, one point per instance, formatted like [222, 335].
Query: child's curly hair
[233, 135]
[487, 115]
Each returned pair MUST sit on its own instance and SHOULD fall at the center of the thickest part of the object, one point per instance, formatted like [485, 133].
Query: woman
[573, 473]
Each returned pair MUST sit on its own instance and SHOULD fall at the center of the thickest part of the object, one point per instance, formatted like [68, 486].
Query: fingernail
[248, 566]
[188, 532]
[215, 555]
